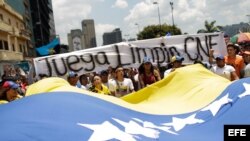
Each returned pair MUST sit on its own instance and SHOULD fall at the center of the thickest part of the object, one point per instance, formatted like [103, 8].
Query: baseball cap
[177, 58]
[147, 59]
[72, 74]
[220, 57]
[10, 85]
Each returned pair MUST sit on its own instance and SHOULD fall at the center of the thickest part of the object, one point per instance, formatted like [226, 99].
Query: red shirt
[149, 79]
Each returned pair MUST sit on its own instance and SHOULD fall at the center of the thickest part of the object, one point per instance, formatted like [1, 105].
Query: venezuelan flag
[192, 104]
[44, 50]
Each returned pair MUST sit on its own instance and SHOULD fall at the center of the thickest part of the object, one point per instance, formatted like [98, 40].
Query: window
[9, 21]
[1, 44]
[13, 47]
[21, 48]
[6, 46]
[24, 49]
[1, 17]
[17, 25]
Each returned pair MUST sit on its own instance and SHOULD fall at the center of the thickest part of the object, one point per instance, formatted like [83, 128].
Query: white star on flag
[134, 128]
[247, 92]
[215, 106]
[148, 124]
[107, 131]
[136, 119]
[179, 123]
[164, 128]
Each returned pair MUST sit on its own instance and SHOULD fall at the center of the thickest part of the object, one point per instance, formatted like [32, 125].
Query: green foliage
[210, 28]
[153, 31]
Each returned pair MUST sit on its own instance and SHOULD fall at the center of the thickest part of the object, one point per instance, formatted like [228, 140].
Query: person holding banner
[176, 62]
[120, 86]
[148, 75]
[232, 58]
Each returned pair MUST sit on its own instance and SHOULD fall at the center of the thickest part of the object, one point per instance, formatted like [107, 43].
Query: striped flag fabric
[192, 104]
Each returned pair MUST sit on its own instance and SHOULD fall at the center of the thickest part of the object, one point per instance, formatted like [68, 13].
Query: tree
[210, 27]
[153, 31]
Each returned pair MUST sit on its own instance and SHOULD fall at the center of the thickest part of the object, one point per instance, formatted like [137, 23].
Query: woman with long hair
[147, 74]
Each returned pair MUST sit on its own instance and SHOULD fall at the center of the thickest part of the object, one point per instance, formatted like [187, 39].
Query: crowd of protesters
[121, 81]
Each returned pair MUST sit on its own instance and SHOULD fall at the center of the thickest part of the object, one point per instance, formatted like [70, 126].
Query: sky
[131, 16]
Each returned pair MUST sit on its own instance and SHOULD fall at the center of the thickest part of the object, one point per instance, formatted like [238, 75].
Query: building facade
[88, 29]
[52, 22]
[112, 37]
[23, 8]
[76, 40]
[13, 40]
[42, 21]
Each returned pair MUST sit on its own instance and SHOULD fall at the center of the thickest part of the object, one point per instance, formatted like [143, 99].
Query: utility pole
[248, 22]
[126, 37]
[159, 16]
[172, 8]
[138, 27]
[248, 18]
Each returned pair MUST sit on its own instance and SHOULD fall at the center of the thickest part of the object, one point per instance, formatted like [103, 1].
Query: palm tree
[210, 28]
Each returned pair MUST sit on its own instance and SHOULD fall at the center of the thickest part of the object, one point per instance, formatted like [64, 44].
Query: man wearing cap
[224, 70]
[176, 62]
[73, 79]
[8, 92]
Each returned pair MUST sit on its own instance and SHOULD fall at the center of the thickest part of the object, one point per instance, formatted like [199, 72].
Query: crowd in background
[121, 81]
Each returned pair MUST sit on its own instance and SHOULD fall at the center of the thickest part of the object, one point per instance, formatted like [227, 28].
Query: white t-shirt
[85, 87]
[224, 72]
[166, 73]
[247, 71]
[121, 88]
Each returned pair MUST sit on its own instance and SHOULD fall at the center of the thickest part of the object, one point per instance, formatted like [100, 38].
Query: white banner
[131, 54]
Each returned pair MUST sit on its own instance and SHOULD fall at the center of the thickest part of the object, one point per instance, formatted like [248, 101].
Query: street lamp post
[138, 27]
[159, 16]
[126, 37]
[172, 9]
[248, 22]
[248, 17]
